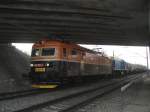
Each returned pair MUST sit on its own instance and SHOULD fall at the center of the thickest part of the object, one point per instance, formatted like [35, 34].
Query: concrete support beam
[84, 21]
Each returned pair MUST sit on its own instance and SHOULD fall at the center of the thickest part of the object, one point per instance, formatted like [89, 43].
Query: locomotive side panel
[96, 65]
[105, 65]
[91, 66]
[74, 58]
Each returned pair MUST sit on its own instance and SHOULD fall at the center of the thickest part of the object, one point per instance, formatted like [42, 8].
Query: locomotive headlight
[31, 65]
[47, 64]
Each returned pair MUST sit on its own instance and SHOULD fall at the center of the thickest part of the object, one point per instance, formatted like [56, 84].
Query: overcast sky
[135, 55]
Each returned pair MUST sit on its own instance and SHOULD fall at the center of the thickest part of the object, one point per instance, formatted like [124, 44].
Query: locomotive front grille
[39, 69]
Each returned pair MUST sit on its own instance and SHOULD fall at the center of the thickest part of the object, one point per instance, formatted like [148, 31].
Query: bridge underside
[121, 22]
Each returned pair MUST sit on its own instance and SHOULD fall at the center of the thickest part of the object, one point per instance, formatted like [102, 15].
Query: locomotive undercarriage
[64, 71]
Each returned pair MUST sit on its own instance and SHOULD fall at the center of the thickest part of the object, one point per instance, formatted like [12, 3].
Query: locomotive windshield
[35, 52]
[48, 51]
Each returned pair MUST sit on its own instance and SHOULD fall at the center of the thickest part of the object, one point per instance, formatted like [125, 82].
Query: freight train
[54, 62]
[120, 67]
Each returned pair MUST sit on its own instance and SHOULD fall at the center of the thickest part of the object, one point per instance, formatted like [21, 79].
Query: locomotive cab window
[48, 51]
[73, 52]
[35, 52]
[64, 52]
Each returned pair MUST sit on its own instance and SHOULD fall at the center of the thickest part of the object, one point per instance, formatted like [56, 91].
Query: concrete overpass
[123, 22]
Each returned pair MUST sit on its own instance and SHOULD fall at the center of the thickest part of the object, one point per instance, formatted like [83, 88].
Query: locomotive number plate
[39, 69]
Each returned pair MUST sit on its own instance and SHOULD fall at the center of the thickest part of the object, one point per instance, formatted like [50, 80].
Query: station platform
[136, 98]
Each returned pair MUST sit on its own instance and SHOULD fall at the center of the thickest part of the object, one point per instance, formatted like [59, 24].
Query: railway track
[25, 93]
[69, 102]
[19, 94]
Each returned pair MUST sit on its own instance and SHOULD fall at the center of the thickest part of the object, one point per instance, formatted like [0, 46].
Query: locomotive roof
[45, 43]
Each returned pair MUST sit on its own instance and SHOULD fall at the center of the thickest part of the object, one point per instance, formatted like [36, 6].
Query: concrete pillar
[149, 52]
[148, 19]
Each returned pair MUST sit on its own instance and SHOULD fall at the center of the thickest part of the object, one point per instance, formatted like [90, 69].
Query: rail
[72, 101]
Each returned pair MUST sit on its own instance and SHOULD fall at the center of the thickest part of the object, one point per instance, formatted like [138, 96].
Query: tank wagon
[54, 62]
[135, 68]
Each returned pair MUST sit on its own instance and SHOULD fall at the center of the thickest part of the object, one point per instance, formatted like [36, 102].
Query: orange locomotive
[55, 61]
